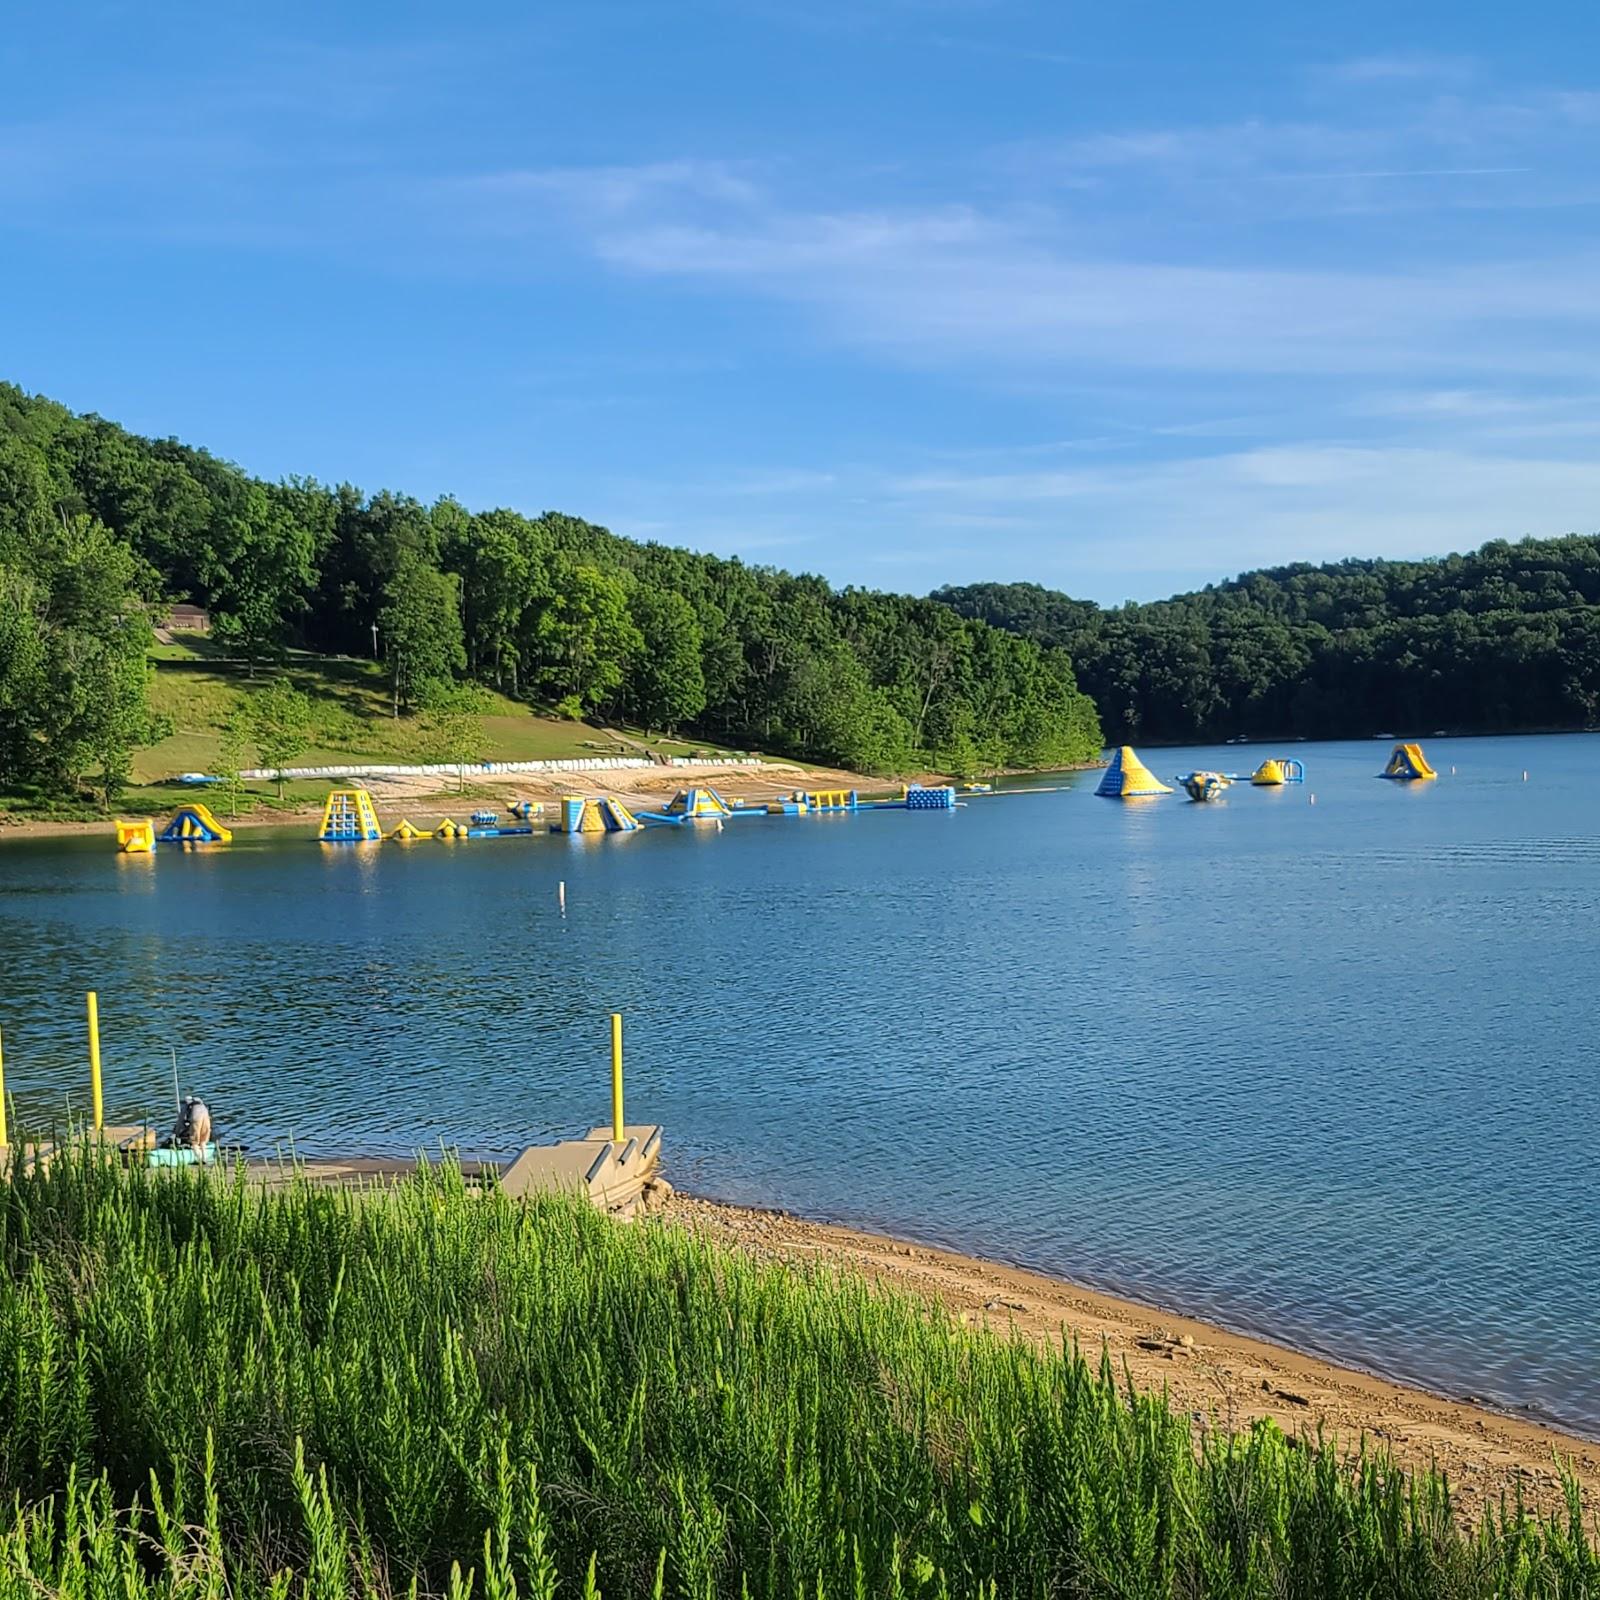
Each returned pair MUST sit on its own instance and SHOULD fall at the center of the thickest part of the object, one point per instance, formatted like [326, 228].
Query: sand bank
[1209, 1373]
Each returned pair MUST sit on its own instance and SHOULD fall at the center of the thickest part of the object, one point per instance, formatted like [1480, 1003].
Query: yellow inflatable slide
[1406, 762]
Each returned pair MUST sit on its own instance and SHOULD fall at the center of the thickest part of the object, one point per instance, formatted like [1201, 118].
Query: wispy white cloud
[1449, 405]
[1400, 69]
[1313, 502]
[1211, 386]
[956, 285]
[1432, 141]
[1114, 531]
[1024, 274]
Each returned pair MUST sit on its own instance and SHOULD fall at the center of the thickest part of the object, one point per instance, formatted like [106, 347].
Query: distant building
[187, 619]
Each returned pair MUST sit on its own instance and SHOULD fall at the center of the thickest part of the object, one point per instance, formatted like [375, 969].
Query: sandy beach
[1209, 1373]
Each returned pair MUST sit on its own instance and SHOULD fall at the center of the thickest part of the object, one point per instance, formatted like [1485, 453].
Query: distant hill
[101, 531]
[1503, 639]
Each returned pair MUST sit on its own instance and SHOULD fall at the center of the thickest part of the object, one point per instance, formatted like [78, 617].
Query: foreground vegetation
[212, 1392]
[100, 528]
[1503, 640]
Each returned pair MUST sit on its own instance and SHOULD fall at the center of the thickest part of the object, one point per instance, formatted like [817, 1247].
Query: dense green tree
[666, 682]
[258, 566]
[585, 636]
[370, 541]
[74, 634]
[1500, 639]
[499, 558]
[421, 626]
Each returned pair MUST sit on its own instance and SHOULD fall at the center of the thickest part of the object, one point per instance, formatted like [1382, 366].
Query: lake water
[1325, 1072]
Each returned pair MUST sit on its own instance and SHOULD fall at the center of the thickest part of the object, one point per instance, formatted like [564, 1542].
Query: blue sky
[1120, 298]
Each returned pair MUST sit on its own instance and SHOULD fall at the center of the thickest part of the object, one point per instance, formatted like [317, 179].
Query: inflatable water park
[349, 816]
[1273, 773]
[1128, 778]
[190, 824]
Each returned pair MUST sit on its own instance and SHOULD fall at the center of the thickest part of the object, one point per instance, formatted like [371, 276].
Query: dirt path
[1206, 1372]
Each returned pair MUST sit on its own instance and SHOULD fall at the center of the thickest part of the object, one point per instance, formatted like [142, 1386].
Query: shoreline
[638, 789]
[393, 797]
[1217, 1377]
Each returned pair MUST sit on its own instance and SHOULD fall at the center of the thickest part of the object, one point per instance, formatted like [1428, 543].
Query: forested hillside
[99, 528]
[1503, 639]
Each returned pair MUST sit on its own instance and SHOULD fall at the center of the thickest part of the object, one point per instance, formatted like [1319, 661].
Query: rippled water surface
[1321, 1071]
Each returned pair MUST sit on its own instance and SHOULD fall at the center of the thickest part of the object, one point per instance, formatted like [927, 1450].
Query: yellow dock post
[94, 1059]
[616, 1075]
[5, 1138]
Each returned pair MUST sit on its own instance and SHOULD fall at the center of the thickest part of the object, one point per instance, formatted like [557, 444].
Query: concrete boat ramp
[613, 1174]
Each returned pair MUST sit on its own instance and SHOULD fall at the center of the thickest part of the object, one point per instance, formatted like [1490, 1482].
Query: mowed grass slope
[214, 1392]
[199, 689]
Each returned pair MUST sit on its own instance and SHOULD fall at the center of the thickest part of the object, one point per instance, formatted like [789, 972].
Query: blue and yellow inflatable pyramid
[1127, 778]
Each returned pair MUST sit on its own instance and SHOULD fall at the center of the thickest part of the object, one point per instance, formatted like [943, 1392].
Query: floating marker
[1313, 799]
[1524, 774]
[561, 894]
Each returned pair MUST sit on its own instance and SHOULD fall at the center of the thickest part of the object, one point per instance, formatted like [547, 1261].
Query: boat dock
[612, 1174]
[613, 1166]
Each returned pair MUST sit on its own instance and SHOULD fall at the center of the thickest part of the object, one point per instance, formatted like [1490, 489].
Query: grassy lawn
[199, 689]
[198, 686]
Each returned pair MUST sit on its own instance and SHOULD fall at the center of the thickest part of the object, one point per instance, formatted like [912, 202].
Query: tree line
[101, 528]
[1503, 639]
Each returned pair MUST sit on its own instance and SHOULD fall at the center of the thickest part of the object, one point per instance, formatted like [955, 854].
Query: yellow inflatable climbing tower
[348, 817]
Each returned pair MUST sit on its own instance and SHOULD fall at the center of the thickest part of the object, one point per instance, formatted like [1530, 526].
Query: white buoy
[1452, 772]
[1524, 774]
[561, 894]
[1313, 799]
